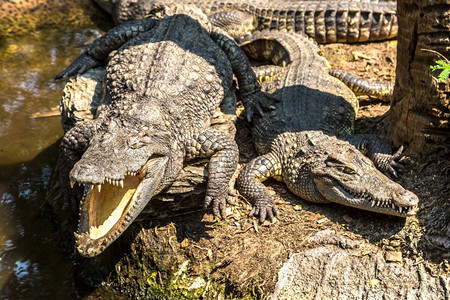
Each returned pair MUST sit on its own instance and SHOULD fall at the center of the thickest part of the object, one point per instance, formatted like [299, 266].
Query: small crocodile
[307, 140]
[163, 83]
[325, 21]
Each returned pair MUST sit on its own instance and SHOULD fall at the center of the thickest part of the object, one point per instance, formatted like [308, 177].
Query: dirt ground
[179, 244]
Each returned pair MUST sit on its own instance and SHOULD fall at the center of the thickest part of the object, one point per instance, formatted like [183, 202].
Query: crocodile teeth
[72, 183]
[373, 203]
[99, 187]
[91, 187]
[121, 183]
[400, 209]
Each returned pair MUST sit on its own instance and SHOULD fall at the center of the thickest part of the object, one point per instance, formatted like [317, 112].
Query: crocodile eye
[348, 170]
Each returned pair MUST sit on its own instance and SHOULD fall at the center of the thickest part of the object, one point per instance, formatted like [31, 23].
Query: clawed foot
[260, 102]
[389, 163]
[265, 210]
[219, 203]
[83, 63]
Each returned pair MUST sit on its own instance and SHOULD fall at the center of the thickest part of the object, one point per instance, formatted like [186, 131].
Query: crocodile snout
[83, 172]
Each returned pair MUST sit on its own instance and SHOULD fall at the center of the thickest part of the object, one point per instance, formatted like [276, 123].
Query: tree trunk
[420, 107]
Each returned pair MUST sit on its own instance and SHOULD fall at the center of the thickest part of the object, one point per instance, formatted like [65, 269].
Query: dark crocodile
[325, 21]
[307, 140]
[163, 84]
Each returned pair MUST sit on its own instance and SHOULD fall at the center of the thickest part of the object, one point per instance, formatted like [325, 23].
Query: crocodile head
[334, 171]
[121, 170]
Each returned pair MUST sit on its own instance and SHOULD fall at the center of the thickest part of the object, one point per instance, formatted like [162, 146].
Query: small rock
[197, 283]
[373, 281]
[393, 256]
[184, 243]
[322, 220]
[395, 243]
[348, 219]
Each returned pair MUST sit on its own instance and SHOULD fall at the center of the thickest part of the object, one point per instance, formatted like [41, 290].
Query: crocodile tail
[350, 22]
[360, 86]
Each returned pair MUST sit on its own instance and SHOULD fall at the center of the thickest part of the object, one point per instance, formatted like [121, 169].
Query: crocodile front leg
[224, 158]
[379, 151]
[250, 185]
[249, 88]
[99, 50]
[72, 147]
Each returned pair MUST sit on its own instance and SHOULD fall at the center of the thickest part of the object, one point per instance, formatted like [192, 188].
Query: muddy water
[31, 267]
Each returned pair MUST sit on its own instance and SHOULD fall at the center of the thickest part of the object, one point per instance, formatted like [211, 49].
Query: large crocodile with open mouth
[163, 83]
[307, 141]
[329, 21]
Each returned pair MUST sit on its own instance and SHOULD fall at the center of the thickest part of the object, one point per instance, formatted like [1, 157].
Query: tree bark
[420, 108]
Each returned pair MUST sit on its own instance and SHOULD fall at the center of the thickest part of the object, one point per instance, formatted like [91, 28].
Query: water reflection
[31, 266]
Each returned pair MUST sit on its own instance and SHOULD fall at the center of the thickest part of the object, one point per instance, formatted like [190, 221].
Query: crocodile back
[172, 77]
[310, 99]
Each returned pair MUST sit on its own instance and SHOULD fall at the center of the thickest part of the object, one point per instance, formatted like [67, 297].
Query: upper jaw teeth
[383, 203]
[115, 182]
[131, 173]
[108, 180]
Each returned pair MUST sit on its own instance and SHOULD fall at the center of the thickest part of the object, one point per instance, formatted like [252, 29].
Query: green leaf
[444, 66]
[444, 74]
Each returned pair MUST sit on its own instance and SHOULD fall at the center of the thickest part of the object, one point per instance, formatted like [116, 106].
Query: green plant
[443, 65]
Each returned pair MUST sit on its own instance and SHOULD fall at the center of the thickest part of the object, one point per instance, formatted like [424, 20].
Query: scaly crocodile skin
[307, 141]
[168, 76]
[325, 21]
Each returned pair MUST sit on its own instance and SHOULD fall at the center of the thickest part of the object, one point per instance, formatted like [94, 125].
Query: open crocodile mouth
[386, 206]
[107, 209]
[110, 201]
